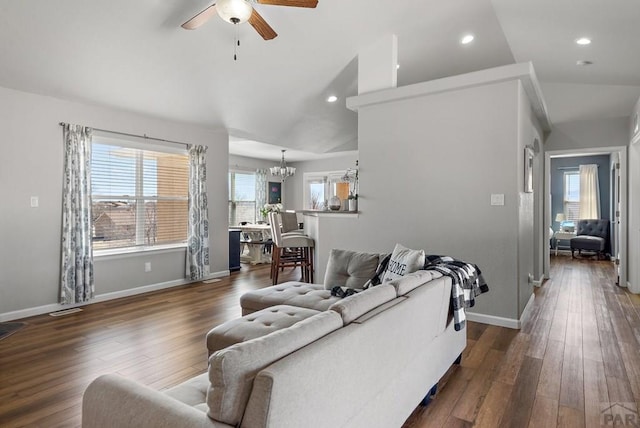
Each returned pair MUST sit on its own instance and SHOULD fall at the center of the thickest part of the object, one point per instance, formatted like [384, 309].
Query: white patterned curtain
[76, 277]
[198, 234]
[589, 192]
[261, 192]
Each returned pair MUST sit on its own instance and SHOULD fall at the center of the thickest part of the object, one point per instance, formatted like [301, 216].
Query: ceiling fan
[239, 11]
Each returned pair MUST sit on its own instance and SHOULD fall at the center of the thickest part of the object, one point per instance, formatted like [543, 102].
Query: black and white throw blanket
[467, 284]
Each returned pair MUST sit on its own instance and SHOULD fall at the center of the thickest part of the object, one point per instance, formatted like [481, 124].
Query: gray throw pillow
[350, 269]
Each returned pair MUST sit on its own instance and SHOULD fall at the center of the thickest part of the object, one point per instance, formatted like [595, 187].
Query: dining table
[254, 236]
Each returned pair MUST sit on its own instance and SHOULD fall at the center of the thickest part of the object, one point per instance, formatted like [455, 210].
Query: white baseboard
[501, 321]
[53, 307]
[493, 320]
[538, 282]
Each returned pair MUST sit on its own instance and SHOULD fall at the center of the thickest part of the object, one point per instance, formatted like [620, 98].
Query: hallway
[578, 350]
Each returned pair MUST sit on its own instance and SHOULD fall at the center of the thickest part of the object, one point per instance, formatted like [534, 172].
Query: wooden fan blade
[294, 3]
[261, 26]
[200, 18]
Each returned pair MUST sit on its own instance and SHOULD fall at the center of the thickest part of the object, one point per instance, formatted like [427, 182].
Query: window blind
[139, 197]
[571, 195]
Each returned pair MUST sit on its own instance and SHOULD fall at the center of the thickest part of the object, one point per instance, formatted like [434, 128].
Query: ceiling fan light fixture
[234, 11]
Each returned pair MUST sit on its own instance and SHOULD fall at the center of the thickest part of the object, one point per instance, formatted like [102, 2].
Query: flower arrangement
[351, 177]
[270, 208]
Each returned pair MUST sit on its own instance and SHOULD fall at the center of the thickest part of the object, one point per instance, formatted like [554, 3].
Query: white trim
[522, 71]
[53, 307]
[119, 253]
[538, 282]
[493, 320]
[501, 321]
[622, 150]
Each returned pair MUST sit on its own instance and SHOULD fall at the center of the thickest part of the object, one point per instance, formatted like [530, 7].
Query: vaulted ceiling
[133, 55]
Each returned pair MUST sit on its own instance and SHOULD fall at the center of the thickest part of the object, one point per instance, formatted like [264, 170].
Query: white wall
[428, 166]
[31, 165]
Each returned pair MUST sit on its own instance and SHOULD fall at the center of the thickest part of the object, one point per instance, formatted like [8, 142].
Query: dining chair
[289, 222]
[290, 250]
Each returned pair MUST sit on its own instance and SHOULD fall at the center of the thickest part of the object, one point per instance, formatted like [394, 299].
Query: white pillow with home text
[403, 261]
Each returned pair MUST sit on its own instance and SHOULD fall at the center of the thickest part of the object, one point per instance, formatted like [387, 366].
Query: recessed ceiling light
[467, 39]
[583, 41]
[584, 62]
[332, 99]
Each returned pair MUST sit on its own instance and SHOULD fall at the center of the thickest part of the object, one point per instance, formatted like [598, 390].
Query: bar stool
[289, 223]
[290, 250]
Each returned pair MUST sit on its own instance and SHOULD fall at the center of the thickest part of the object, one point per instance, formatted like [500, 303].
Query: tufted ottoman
[254, 325]
[299, 294]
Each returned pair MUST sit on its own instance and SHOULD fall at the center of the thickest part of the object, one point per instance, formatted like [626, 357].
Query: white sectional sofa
[366, 361]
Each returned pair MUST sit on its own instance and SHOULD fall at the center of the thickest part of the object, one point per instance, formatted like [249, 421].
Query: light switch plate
[34, 202]
[497, 199]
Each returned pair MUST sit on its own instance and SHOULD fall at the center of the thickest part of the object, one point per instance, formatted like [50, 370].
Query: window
[319, 187]
[571, 197]
[242, 197]
[139, 196]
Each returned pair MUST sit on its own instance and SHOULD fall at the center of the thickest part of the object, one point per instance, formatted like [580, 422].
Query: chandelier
[283, 170]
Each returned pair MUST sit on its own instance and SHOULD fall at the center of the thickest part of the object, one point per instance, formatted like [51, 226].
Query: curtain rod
[568, 167]
[134, 135]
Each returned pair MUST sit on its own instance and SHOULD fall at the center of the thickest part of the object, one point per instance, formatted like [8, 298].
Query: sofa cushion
[232, 370]
[254, 325]
[356, 305]
[413, 280]
[403, 261]
[350, 269]
[293, 293]
[380, 270]
[192, 392]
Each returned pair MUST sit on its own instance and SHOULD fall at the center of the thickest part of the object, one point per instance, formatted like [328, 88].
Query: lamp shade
[560, 217]
[234, 11]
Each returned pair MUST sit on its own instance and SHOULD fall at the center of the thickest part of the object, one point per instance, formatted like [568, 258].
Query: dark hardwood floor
[579, 347]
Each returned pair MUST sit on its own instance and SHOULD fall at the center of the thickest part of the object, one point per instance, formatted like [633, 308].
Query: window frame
[233, 203]
[329, 178]
[139, 198]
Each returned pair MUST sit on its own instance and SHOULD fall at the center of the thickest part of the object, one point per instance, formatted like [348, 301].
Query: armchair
[591, 235]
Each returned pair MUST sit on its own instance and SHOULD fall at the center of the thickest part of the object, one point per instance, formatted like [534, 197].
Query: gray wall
[31, 165]
[589, 134]
[428, 166]
[251, 164]
[557, 183]
[529, 226]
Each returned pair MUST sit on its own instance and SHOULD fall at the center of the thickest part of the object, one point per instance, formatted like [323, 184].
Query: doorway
[614, 170]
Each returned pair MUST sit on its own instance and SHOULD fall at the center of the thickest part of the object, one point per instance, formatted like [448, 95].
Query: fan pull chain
[236, 43]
